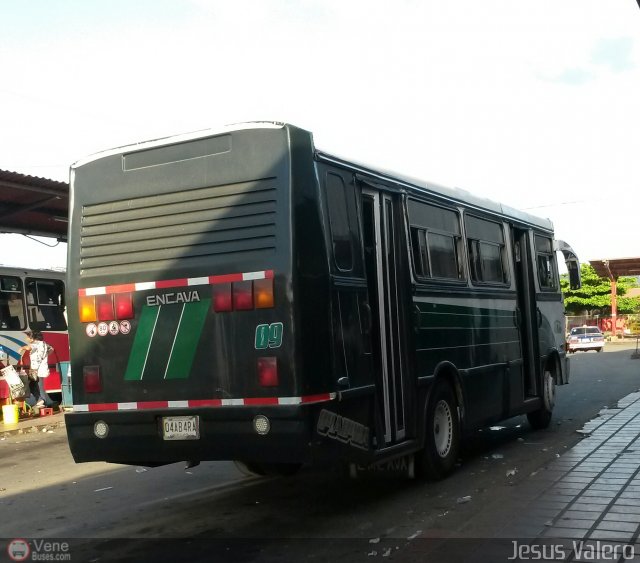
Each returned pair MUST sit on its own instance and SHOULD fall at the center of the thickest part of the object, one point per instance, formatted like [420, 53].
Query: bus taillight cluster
[118, 306]
[243, 295]
[236, 296]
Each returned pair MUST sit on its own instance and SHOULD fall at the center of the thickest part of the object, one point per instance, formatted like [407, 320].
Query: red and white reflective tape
[198, 403]
[180, 282]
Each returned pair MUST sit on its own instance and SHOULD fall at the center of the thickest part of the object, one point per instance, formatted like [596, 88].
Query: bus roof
[453, 195]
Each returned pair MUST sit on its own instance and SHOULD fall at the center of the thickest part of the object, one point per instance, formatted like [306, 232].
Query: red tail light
[243, 295]
[91, 379]
[104, 307]
[222, 301]
[124, 306]
[268, 372]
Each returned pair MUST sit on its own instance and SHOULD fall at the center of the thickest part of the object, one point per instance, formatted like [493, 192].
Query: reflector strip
[197, 403]
[181, 282]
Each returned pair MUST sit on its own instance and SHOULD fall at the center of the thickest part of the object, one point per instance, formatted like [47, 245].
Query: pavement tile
[602, 499]
[611, 536]
[611, 481]
[624, 509]
[577, 533]
[621, 517]
[575, 524]
[617, 526]
[600, 487]
[580, 515]
[589, 506]
[575, 479]
[626, 502]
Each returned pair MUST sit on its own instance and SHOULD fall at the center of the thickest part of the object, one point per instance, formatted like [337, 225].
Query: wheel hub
[442, 428]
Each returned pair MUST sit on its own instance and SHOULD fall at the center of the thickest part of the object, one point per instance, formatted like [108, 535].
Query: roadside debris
[463, 500]
[512, 472]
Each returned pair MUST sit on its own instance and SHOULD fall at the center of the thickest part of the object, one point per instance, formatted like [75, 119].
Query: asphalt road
[179, 514]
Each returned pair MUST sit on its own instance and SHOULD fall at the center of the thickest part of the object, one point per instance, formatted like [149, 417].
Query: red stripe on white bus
[197, 403]
[181, 282]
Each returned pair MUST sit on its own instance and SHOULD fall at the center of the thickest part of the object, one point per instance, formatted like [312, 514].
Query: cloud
[614, 53]
[574, 77]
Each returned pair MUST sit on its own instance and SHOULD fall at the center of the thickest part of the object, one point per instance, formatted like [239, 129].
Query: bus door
[527, 313]
[382, 263]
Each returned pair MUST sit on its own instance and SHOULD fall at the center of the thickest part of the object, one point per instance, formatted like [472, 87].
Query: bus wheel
[442, 440]
[541, 418]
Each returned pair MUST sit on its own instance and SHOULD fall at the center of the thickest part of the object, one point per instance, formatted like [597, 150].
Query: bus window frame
[20, 291]
[351, 200]
[504, 253]
[37, 305]
[551, 261]
[461, 280]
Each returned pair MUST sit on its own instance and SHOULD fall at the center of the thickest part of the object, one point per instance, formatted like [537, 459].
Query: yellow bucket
[10, 414]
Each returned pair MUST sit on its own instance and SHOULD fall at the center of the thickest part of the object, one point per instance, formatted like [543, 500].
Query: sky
[533, 104]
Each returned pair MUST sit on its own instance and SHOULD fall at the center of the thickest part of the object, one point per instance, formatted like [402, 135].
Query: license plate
[180, 428]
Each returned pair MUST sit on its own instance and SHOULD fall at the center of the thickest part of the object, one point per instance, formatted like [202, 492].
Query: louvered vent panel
[188, 225]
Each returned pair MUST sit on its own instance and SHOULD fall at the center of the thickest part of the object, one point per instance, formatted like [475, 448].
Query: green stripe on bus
[141, 344]
[184, 347]
[163, 338]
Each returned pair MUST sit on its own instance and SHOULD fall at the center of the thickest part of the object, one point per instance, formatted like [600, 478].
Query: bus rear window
[45, 304]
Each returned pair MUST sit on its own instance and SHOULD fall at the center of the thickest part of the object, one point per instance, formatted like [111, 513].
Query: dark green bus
[241, 295]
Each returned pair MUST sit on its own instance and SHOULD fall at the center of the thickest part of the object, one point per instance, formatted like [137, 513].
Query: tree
[595, 293]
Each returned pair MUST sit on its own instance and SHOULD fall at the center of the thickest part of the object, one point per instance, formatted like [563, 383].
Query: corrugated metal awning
[616, 267]
[33, 205]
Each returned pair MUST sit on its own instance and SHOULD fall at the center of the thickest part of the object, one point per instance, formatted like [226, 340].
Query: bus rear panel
[183, 329]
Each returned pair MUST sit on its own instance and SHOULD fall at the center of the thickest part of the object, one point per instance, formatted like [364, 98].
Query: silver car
[585, 338]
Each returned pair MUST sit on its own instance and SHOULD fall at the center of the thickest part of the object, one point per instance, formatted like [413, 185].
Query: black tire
[438, 457]
[600, 350]
[540, 419]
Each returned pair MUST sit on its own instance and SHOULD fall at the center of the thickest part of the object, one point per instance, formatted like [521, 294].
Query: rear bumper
[135, 438]
[576, 346]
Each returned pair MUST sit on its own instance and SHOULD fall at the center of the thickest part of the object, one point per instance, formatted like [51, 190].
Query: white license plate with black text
[180, 427]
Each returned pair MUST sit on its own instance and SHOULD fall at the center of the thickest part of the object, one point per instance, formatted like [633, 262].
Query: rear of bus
[181, 280]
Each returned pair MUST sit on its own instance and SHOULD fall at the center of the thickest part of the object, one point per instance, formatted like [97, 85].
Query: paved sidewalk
[589, 498]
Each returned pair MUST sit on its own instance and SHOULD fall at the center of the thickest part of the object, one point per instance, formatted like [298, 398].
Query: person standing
[39, 369]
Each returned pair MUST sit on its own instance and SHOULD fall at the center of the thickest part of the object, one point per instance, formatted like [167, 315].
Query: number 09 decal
[269, 336]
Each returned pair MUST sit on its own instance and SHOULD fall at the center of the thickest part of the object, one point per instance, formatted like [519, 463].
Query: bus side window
[435, 241]
[344, 225]
[45, 304]
[12, 315]
[485, 242]
[546, 263]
